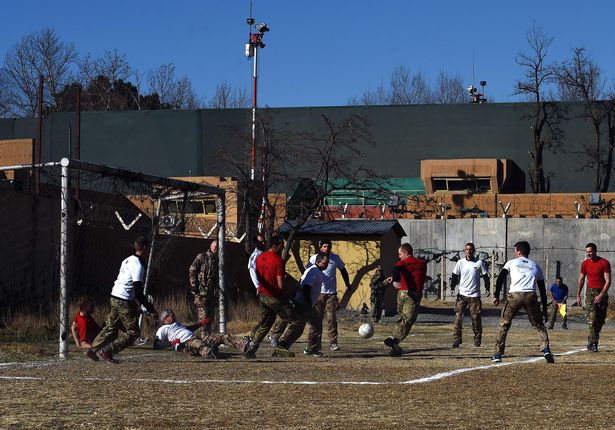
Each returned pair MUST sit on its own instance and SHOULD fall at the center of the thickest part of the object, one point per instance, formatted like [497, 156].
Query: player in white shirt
[195, 342]
[122, 324]
[305, 303]
[467, 274]
[260, 246]
[525, 276]
[328, 302]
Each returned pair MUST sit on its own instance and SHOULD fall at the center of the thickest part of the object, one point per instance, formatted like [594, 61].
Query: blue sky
[321, 53]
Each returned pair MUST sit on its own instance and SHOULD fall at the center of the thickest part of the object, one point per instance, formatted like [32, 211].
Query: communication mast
[255, 42]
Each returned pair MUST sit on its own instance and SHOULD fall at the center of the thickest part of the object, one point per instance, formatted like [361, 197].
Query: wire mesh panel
[74, 226]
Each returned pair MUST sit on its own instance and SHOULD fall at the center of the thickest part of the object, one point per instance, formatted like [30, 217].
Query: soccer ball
[366, 330]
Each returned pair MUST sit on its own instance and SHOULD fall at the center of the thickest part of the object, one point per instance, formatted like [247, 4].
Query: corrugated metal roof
[345, 227]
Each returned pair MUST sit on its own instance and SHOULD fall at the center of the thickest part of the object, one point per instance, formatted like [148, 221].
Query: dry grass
[521, 396]
[42, 325]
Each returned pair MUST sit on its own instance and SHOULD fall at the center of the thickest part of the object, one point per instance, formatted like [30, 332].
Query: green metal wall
[182, 143]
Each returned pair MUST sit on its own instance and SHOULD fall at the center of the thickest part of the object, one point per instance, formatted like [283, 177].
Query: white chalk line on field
[423, 380]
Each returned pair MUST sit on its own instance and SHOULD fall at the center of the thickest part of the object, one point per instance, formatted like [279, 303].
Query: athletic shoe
[274, 342]
[393, 343]
[564, 327]
[551, 326]
[313, 353]
[477, 342]
[548, 355]
[590, 346]
[282, 352]
[140, 341]
[247, 341]
[497, 358]
[456, 344]
[593, 347]
[334, 347]
[249, 354]
[107, 356]
[89, 353]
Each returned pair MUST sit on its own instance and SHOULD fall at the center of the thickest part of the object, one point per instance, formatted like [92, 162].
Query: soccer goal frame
[69, 169]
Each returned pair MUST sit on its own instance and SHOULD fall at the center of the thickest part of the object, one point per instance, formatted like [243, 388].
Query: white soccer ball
[366, 330]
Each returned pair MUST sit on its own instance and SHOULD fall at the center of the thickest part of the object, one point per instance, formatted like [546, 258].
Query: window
[194, 207]
[461, 184]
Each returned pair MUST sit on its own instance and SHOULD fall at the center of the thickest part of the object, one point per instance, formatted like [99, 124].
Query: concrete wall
[552, 241]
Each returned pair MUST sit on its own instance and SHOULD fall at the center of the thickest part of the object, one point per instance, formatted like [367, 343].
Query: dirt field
[431, 386]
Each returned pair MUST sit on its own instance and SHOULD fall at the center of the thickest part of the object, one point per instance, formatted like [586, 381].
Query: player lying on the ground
[191, 340]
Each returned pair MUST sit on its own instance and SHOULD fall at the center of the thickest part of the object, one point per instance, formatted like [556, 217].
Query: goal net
[66, 227]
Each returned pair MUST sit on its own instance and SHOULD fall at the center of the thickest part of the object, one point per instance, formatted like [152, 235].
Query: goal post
[109, 182]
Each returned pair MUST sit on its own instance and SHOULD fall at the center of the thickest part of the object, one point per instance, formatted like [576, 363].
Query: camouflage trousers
[408, 308]
[474, 306]
[327, 306]
[206, 344]
[376, 300]
[205, 308]
[312, 318]
[121, 327]
[596, 313]
[514, 303]
[278, 329]
[270, 308]
[553, 314]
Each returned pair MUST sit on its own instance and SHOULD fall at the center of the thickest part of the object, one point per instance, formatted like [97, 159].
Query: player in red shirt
[408, 278]
[270, 274]
[84, 328]
[598, 273]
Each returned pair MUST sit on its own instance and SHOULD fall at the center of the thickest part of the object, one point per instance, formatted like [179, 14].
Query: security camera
[262, 27]
[471, 89]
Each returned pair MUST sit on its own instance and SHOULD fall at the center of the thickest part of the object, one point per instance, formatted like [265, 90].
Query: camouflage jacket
[204, 274]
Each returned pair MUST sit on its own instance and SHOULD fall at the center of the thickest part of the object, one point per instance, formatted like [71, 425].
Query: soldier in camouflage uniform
[597, 270]
[525, 276]
[378, 287]
[193, 340]
[204, 285]
[121, 326]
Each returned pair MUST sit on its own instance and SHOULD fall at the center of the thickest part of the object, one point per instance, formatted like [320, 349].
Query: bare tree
[333, 154]
[227, 97]
[580, 79]
[112, 68]
[173, 93]
[538, 76]
[111, 64]
[38, 54]
[375, 97]
[406, 88]
[449, 90]
[5, 94]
